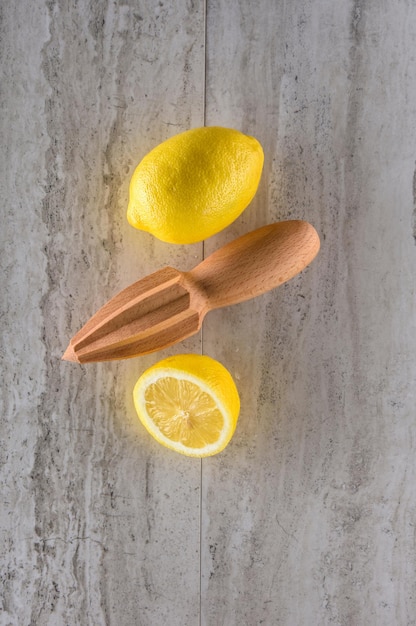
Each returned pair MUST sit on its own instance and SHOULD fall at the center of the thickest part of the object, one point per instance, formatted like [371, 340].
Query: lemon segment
[195, 184]
[188, 403]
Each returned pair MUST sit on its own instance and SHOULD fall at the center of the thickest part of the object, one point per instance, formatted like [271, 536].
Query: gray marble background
[308, 518]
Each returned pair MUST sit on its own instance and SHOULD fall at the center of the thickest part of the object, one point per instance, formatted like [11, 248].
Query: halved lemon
[188, 403]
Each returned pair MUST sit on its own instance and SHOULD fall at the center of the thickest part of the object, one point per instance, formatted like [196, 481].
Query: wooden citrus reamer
[168, 305]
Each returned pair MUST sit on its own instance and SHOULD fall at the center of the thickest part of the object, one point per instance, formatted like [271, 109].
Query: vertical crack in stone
[414, 206]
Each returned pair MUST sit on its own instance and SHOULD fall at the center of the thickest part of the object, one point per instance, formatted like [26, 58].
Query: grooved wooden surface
[308, 517]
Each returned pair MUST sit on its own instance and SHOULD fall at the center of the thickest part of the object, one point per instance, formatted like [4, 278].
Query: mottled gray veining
[308, 517]
[90, 505]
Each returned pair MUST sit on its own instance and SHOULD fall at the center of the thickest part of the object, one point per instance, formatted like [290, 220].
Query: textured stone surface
[308, 517]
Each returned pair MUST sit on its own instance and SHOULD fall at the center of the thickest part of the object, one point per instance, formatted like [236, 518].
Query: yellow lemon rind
[175, 218]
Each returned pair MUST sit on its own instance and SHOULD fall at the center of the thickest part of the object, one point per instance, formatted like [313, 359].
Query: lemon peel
[195, 184]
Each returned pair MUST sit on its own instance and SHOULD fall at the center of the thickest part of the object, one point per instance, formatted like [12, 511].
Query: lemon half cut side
[188, 403]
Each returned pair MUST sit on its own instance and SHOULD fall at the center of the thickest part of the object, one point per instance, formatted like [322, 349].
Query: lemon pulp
[183, 412]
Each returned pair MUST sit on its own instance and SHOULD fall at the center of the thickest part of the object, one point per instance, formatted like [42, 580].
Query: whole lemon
[195, 184]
